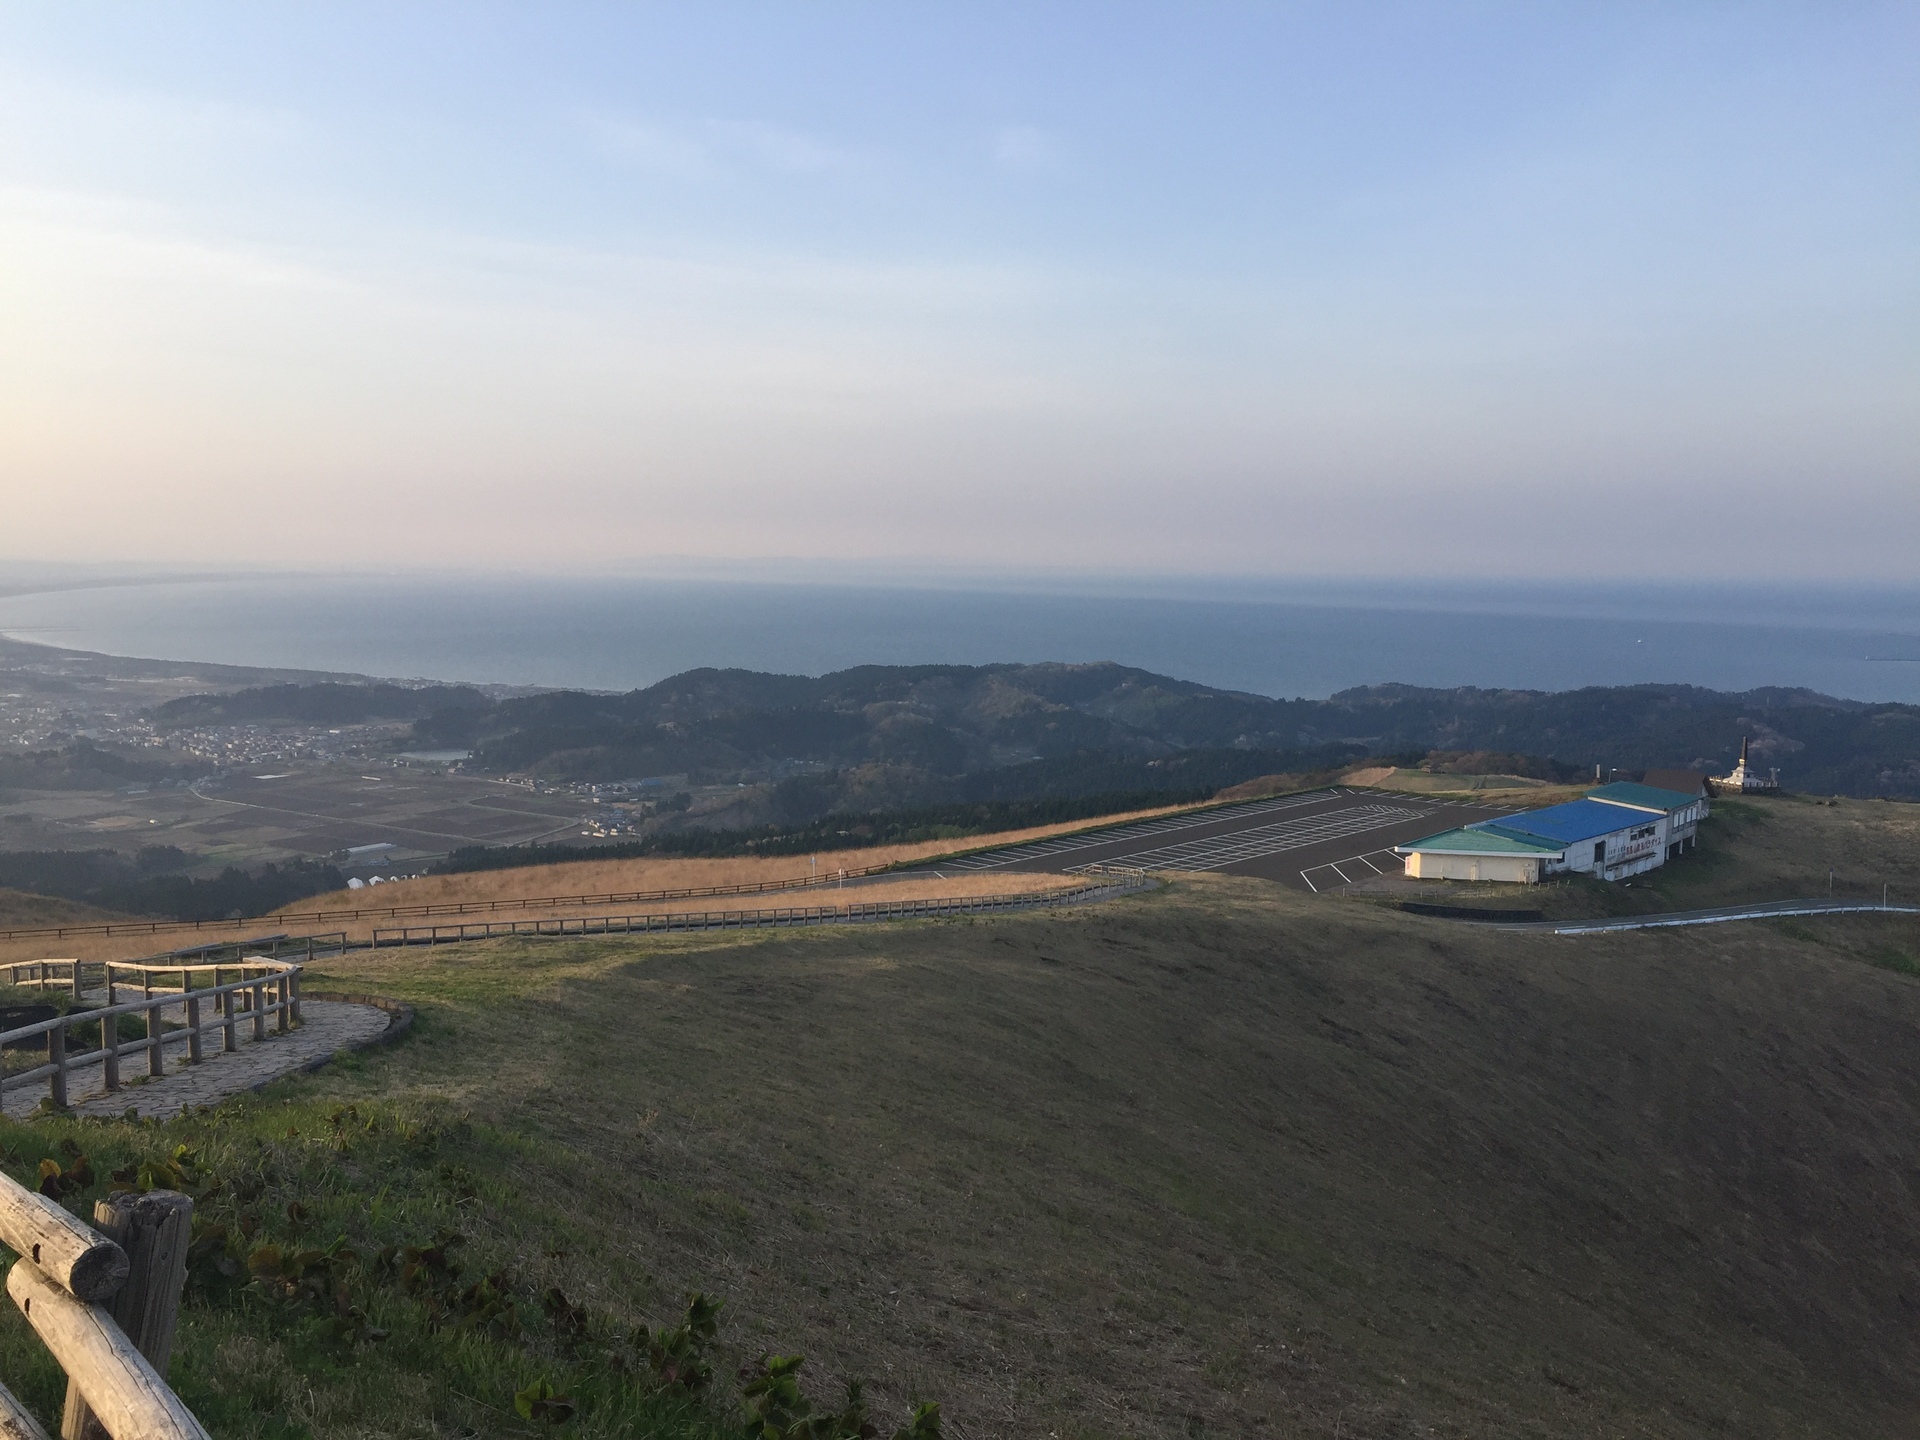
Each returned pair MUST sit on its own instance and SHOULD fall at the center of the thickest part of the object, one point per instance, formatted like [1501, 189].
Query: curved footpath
[1766, 910]
[327, 1027]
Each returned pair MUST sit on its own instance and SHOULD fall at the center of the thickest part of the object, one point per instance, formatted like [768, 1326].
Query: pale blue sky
[1186, 288]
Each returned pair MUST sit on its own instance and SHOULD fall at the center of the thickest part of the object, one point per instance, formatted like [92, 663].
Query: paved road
[1767, 910]
[1317, 841]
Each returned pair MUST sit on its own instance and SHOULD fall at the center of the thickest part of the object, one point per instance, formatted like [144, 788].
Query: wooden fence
[219, 999]
[735, 919]
[105, 1306]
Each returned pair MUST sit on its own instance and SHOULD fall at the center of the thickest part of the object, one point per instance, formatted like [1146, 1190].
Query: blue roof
[1570, 823]
[1642, 797]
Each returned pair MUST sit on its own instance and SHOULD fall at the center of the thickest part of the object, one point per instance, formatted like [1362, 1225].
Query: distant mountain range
[941, 729]
[879, 736]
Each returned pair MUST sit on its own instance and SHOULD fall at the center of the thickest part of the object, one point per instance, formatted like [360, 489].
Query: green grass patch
[384, 1268]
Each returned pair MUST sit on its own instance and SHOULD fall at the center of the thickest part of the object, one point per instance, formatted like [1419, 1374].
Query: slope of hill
[325, 703]
[1224, 1159]
[22, 909]
[1227, 1160]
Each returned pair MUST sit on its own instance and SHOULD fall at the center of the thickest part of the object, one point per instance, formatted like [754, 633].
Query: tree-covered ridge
[921, 728]
[150, 882]
[954, 720]
[1820, 744]
[327, 703]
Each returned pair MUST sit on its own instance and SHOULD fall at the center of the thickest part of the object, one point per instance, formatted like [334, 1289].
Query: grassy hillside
[21, 909]
[1221, 1160]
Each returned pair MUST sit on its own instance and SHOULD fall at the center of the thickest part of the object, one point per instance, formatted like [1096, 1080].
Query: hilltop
[939, 731]
[1054, 728]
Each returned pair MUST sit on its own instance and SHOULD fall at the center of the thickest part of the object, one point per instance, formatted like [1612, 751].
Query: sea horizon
[1284, 638]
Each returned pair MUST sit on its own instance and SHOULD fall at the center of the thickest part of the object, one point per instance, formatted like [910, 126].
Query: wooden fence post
[154, 1229]
[110, 1044]
[156, 1063]
[57, 1056]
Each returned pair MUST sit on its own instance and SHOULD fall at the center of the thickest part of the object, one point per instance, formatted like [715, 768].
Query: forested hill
[936, 721]
[1820, 744]
[327, 703]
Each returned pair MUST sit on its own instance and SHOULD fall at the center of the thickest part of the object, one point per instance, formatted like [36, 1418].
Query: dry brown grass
[1263, 786]
[1427, 782]
[605, 877]
[21, 908]
[927, 886]
[873, 892]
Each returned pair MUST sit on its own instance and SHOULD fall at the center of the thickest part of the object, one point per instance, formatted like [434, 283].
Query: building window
[1599, 851]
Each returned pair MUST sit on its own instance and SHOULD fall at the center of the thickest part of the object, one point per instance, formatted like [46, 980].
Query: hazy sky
[1610, 290]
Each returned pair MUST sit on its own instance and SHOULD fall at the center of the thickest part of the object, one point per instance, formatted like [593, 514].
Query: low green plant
[782, 1411]
[341, 1240]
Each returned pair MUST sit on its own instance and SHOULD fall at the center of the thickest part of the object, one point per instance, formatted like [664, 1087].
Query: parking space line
[1217, 851]
[1306, 875]
[1066, 844]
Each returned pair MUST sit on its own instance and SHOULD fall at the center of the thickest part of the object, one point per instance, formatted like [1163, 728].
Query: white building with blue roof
[1612, 832]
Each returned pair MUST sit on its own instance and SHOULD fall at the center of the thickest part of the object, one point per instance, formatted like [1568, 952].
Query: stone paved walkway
[329, 1025]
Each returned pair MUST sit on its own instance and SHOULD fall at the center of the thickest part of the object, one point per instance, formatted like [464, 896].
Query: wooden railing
[734, 919]
[214, 999]
[105, 1306]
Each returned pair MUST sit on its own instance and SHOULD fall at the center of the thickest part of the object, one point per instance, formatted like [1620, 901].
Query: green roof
[1641, 797]
[1480, 842]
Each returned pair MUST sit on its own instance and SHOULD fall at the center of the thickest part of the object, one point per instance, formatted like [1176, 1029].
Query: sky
[1606, 291]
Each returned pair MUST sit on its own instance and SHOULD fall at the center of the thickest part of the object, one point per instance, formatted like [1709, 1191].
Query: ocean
[1308, 639]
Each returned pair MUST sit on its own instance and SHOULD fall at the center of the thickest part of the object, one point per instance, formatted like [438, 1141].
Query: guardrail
[263, 989]
[745, 919]
[105, 1306]
[129, 927]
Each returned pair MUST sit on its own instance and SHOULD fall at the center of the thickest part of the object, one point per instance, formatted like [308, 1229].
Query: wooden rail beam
[65, 1249]
[16, 1421]
[123, 1389]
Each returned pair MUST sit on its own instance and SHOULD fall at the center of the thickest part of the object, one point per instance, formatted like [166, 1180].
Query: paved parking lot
[1317, 841]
